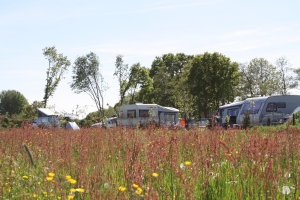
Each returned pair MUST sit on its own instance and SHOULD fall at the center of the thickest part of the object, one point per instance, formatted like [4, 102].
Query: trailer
[141, 114]
[229, 110]
[268, 110]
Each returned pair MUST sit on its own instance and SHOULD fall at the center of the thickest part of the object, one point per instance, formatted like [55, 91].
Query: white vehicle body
[139, 113]
[272, 109]
[261, 110]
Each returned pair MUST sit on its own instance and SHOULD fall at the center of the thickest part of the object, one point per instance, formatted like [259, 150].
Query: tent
[72, 126]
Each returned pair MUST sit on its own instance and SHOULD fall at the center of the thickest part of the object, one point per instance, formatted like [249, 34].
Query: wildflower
[34, 195]
[72, 181]
[39, 183]
[71, 197]
[122, 189]
[72, 190]
[138, 191]
[182, 165]
[286, 190]
[135, 186]
[106, 185]
[8, 190]
[68, 177]
[187, 163]
[236, 152]
[25, 177]
[80, 190]
[49, 178]
[45, 193]
[155, 174]
[51, 174]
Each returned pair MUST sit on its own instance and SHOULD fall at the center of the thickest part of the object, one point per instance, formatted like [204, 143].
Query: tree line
[195, 84]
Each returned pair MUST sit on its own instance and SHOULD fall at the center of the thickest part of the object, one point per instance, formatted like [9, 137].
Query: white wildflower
[286, 189]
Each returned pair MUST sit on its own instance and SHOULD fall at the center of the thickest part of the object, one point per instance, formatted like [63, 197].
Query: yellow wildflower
[49, 178]
[135, 186]
[138, 191]
[71, 197]
[187, 163]
[34, 195]
[25, 177]
[8, 190]
[51, 174]
[72, 190]
[68, 177]
[122, 189]
[81, 190]
[155, 174]
[72, 181]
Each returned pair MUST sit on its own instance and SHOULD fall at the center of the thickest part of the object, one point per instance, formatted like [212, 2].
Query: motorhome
[268, 110]
[231, 110]
[133, 114]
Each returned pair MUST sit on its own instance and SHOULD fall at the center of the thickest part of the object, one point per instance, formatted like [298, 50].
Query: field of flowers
[150, 164]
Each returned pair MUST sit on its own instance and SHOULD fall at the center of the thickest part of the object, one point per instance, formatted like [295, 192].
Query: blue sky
[140, 31]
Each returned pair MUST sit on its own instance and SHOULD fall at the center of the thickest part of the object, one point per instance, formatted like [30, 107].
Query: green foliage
[12, 102]
[121, 72]
[58, 65]
[30, 112]
[212, 79]
[246, 121]
[87, 78]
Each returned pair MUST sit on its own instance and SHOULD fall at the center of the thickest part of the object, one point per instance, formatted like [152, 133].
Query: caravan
[262, 110]
[231, 110]
[46, 119]
[144, 114]
[268, 110]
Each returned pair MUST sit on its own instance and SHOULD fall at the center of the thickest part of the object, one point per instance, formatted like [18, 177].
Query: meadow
[258, 163]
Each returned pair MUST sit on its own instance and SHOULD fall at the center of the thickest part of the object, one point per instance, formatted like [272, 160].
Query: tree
[87, 78]
[259, 78]
[286, 81]
[121, 72]
[58, 65]
[210, 79]
[166, 72]
[12, 102]
[30, 112]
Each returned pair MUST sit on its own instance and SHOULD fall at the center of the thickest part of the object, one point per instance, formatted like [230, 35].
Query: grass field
[260, 163]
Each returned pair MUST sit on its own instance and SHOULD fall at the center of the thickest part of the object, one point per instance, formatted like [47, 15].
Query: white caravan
[268, 110]
[231, 110]
[139, 113]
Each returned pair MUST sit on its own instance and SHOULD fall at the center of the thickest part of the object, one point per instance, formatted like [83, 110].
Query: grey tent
[72, 126]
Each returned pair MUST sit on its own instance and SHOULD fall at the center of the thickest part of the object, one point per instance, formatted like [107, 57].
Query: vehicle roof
[46, 111]
[231, 104]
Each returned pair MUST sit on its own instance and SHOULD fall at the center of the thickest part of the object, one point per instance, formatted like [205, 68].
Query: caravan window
[131, 114]
[144, 113]
[233, 112]
[281, 105]
[271, 107]
[251, 108]
[170, 117]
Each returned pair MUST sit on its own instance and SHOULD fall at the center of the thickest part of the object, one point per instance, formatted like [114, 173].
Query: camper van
[46, 119]
[133, 114]
[268, 110]
[231, 110]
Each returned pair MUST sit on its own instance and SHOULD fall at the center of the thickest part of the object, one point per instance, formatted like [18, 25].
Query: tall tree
[87, 78]
[58, 65]
[121, 72]
[165, 72]
[12, 102]
[211, 77]
[259, 78]
[286, 81]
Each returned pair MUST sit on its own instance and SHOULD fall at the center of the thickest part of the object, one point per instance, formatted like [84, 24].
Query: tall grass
[150, 164]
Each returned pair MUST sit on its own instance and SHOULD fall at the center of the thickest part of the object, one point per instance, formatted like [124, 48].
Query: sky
[139, 30]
